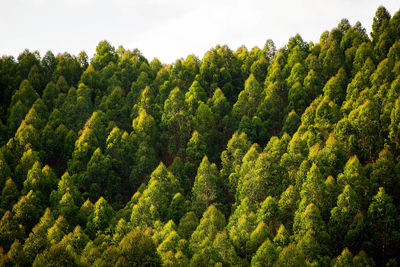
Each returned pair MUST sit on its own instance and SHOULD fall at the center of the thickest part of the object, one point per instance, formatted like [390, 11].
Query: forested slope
[261, 157]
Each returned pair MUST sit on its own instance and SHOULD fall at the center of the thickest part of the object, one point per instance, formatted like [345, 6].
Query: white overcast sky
[171, 29]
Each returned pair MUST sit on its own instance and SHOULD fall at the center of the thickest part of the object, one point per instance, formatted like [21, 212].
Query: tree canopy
[256, 157]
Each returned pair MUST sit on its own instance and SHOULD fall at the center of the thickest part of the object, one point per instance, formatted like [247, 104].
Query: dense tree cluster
[260, 157]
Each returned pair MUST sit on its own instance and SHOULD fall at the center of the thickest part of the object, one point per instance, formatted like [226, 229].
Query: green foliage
[269, 213]
[188, 224]
[207, 187]
[138, 249]
[289, 157]
[248, 99]
[105, 53]
[194, 96]
[37, 240]
[195, 151]
[212, 222]
[176, 121]
[100, 218]
[10, 230]
[342, 216]
[383, 214]
[27, 210]
[291, 256]
[9, 195]
[56, 255]
[266, 255]
[241, 224]
[233, 155]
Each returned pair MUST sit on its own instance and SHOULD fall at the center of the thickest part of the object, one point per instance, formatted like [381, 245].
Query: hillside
[261, 157]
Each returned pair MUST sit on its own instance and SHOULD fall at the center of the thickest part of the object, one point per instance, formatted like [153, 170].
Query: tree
[236, 148]
[27, 210]
[9, 195]
[380, 25]
[145, 128]
[50, 95]
[176, 120]
[287, 205]
[196, 149]
[187, 224]
[36, 79]
[28, 136]
[146, 101]
[56, 255]
[291, 256]
[37, 239]
[41, 181]
[332, 57]
[263, 180]
[344, 259]
[193, 96]
[10, 230]
[86, 210]
[297, 74]
[204, 120]
[395, 123]
[99, 177]
[335, 88]
[67, 208]
[66, 187]
[365, 120]
[27, 96]
[292, 122]
[259, 69]
[178, 207]
[137, 249]
[266, 255]
[312, 84]
[162, 188]
[29, 157]
[206, 187]
[313, 189]
[59, 229]
[269, 213]
[313, 240]
[348, 205]
[270, 108]
[242, 223]
[382, 214]
[282, 237]
[297, 98]
[4, 169]
[15, 255]
[363, 59]
[224, 251]
[115, 107]
[105, 53]
[237, 178]
[10, 78]
[212, 222]
[100, 218]
[86, 144]
[248, 99]
[62, 85]
[169, 246]
[384, 174]
[68, 67]
[353, 175]
[269, 49]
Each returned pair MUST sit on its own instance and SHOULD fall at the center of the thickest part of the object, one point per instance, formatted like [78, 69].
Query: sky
[172, 29]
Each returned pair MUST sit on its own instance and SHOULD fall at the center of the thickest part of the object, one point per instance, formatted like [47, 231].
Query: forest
[264, 157]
